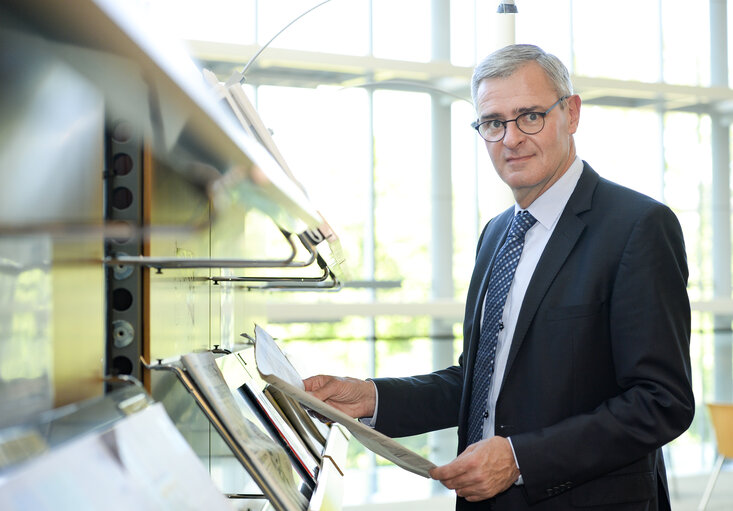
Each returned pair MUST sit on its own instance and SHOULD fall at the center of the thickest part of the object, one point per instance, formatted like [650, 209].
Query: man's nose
[513, 134]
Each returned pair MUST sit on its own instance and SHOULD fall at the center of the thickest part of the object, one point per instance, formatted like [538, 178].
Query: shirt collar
[547, 207]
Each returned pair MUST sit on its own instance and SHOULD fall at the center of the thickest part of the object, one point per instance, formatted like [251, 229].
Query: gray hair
[504, 62]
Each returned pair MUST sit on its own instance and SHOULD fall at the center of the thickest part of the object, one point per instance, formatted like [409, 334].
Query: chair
[721, 417]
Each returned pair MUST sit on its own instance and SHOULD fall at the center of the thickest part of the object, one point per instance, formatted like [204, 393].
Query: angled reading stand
[292, 459]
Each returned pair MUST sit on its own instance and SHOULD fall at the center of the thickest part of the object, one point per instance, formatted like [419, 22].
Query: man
[566, 392]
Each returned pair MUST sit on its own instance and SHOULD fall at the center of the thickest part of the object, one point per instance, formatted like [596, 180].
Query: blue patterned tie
[500, 281]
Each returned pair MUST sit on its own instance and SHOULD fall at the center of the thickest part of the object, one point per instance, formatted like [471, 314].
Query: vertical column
[370, 264]
[442, 443]
[720, 145]
[370, 248]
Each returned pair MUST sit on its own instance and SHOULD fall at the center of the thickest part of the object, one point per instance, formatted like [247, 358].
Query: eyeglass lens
[529, 123]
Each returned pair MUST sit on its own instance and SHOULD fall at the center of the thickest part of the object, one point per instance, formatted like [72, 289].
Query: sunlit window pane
[686, 55]
[688, 190]
[339, 26]
[323, 135]
[402, 29]
[628, 151]
[617, 39]
[402, 210]
[465, 144]
[546, 23]
[463, 32]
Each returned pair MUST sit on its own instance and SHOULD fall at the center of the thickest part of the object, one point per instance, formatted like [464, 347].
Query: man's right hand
[352, 396]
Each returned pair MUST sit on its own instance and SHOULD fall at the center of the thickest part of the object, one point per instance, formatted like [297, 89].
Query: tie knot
[521, 223]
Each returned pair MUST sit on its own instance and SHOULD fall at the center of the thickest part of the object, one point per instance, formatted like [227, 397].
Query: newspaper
[141, 463]
[276, 369]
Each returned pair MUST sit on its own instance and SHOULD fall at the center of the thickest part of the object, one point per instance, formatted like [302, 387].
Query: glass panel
[484, 24]
[463, 21]
[686, 39]
[478, 193]
[26, 327]
[687, 190]
[547, 24]
[399, 350]
[323, 134]
[335, 27]
[339, 348]
[627, 150]
[465, 146]
[401, 30]
[402, 211]
[693, 452]
[617, 40]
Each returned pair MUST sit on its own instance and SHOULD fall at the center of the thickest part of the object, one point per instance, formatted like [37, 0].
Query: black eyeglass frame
[477, 125]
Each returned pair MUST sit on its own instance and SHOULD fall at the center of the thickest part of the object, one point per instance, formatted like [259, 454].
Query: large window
[363, 152]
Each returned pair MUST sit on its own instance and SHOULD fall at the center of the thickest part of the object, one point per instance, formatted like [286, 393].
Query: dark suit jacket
[598, 375]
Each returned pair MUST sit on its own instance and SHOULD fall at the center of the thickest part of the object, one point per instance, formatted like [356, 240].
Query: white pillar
[442, 443]
[721, 211]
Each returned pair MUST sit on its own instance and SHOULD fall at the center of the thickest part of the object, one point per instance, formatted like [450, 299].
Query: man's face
[529, 164]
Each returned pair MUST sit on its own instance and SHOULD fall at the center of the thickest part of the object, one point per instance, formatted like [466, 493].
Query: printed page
[276, 369]
[142, 463]
[299, 419]
[162, 464]
[79, 475]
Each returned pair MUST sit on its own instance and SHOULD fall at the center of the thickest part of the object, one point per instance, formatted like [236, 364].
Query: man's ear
[573, 113]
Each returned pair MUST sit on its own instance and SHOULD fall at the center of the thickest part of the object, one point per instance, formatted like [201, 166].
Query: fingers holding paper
[352, 396]
[483, 470]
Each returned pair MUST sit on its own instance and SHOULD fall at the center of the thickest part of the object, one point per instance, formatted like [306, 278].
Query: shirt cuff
[372, 421]
[519, 481]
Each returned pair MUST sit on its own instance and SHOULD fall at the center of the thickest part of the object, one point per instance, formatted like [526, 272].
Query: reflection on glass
[25, 328]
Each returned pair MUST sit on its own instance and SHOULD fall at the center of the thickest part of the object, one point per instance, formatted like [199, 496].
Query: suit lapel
[561, 243]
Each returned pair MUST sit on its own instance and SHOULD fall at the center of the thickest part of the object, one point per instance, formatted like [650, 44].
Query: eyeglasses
[529, 123]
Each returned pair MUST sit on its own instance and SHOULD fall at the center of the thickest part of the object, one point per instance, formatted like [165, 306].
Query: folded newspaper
[276, 369]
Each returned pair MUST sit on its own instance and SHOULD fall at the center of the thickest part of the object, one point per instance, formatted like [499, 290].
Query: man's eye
[532, 117]
[495, 125]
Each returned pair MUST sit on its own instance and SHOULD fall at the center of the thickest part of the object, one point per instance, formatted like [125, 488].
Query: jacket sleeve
[418, 404]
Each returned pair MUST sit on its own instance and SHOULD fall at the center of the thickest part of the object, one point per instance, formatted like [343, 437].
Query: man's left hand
[483, 470]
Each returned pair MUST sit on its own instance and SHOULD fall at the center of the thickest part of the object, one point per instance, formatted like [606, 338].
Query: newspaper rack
[214, 377]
